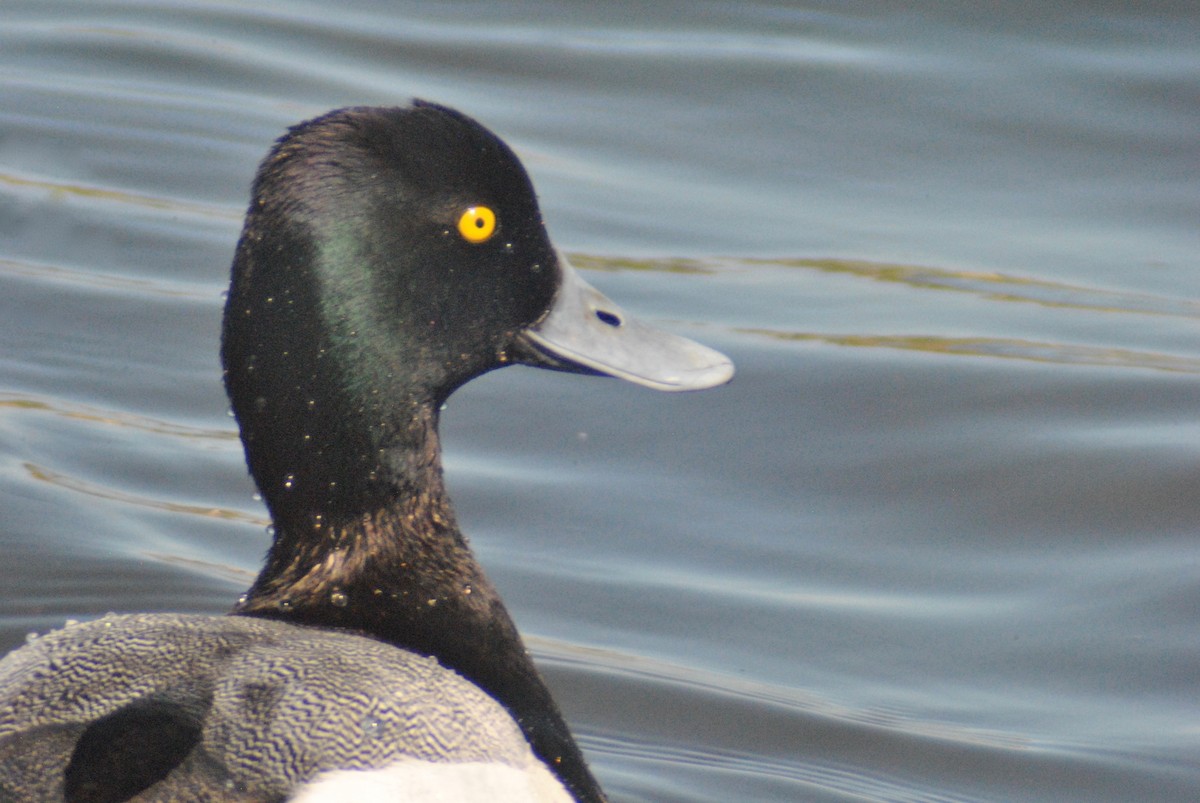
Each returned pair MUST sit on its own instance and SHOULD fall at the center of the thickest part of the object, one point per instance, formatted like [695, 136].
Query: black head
[388, 256]
[373, 207]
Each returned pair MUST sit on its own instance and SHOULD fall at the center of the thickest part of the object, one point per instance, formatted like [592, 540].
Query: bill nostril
[609, 318]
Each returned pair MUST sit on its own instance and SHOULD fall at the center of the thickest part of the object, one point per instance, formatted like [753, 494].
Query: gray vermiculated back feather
[276, 704]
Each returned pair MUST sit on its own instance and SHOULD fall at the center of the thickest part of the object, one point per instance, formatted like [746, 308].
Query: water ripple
[996, 286]
[58, 190]
[1000, 348]
[78, 411]
[69, 483]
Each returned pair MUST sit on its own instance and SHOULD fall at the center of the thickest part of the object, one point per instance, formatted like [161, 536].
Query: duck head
[390, 255]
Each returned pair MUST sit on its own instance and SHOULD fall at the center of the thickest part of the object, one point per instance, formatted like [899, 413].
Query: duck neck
[397, 568]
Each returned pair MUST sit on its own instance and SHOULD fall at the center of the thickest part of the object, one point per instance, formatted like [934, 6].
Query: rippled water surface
[938, 541]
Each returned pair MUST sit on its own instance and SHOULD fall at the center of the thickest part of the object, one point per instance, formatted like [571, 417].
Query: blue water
[938, 541]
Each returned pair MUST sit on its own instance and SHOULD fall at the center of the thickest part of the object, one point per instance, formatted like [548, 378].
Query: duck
[388, 256]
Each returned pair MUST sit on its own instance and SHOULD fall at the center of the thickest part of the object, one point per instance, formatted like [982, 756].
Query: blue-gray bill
[586, 332]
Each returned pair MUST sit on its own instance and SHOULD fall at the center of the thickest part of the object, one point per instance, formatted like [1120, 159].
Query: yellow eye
[477, 224]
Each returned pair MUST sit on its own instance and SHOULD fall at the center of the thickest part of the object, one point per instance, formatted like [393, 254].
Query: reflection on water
[75, 485]
[112, 418]
[59, 191]
[994, 347]
[1000, 287]
[937, 540]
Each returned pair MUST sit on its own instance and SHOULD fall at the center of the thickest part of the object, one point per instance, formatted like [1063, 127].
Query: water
[938, 539]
